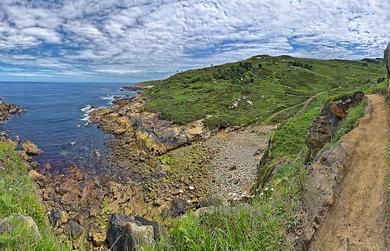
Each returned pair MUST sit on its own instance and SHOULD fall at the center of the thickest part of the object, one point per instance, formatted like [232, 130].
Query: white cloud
[126, 37]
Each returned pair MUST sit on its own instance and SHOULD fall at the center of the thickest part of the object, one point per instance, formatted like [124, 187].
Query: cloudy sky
[130, 40]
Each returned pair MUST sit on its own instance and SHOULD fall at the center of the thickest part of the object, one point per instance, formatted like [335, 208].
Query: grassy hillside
[266, 89]
[284, 90]
[18, 194]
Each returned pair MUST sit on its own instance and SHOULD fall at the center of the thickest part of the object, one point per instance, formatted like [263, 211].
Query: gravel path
[234, 159]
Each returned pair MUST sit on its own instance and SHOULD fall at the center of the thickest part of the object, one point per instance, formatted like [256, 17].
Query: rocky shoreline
[167, 168]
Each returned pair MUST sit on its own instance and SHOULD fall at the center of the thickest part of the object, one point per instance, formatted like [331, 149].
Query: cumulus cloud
[139, 38]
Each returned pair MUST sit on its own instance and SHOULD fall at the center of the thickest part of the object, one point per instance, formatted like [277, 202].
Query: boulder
[98, 239]
[7, 225]
[57, 217]
[127, 233]
[178, 208]
[31, 149]
[338, 109]
[73, 229]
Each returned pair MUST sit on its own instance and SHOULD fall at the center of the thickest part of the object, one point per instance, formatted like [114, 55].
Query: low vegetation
[18, 195]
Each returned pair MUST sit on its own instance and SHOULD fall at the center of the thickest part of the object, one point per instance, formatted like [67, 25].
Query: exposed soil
[358, 219]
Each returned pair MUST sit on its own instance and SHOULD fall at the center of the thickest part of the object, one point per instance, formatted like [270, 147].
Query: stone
[338, 109]
[54, 217]
[98, 239]
[34, 175]
[7, 225]
[57, 217]
[178, 207]
[130, 232]
[31, 149]
[24, 155]
[73, 229]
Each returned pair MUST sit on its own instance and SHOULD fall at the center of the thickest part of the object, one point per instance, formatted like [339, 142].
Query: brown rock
[24, 155]
[338, 109]
[34, 175]
[98, 239]
[31, 149]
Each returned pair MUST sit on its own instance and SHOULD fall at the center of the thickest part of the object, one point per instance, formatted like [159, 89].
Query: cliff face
[387, 64]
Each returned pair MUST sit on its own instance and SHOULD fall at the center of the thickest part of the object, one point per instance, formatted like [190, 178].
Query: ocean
[57, 119]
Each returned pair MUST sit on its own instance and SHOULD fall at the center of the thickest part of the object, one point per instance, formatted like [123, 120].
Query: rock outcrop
[7, 225]
[31, 149]
[127, 233]
[327, 122]
[387, 64]
[8, 109]
[127, 117]
[320, 192]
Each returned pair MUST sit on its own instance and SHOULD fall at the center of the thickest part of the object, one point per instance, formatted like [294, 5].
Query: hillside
[259, 89]
[210, 189]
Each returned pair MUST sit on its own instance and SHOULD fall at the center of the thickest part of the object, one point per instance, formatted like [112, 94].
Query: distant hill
[259, 89]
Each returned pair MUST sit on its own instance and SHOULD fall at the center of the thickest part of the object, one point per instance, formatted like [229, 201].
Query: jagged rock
[7, 225]
[7, 109]
[73, 229]
[339, 109]
[327, 122]
[98, 239]
[31, 149]
[387, 64]
[34, 175]
[178, 208]
[147, 129]
[57, 217]
[130, 232]
[24, 156]
[54, 217]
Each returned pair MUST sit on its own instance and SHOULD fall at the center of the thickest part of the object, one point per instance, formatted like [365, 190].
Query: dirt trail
[358, 220]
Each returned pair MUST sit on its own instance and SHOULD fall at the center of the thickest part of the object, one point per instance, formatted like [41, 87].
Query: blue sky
[123, 40]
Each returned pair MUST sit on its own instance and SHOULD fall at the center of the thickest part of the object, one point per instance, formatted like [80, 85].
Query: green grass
[273, 84]
[260, 225]
[18, 194]
[280, 89]
[264, 224]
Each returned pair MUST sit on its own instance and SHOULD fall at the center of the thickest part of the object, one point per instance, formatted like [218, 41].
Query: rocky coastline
[169, 169]
[7, 110]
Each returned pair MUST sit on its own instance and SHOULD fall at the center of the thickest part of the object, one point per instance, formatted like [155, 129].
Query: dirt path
[304, 105]
[358, 220]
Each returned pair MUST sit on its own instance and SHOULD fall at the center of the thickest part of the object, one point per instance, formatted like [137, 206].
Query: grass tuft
[18, 194]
